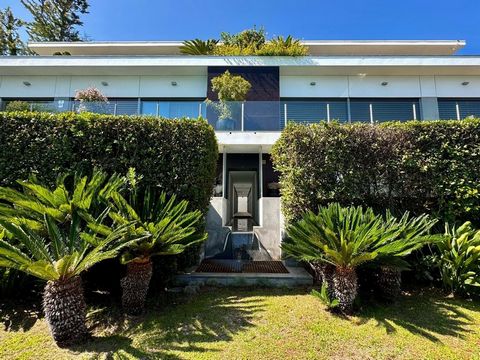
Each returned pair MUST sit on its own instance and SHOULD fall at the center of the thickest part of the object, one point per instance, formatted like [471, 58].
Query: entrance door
[243, 200]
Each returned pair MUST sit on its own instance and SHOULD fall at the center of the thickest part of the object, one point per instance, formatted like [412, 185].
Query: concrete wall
[214, 226]
[269, 233]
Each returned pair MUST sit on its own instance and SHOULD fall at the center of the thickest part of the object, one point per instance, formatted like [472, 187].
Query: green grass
[259, 324]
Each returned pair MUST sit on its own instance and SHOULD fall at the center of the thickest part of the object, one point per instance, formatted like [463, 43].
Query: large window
[361, 110]
[173, 109]
[458, 108]
[314, 110]
[380, 110]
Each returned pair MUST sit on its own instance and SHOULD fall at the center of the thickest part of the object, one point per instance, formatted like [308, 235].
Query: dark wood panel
[265, 81]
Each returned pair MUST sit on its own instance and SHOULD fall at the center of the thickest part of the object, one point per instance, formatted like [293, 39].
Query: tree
[56, 235]
[349, 237]
[167, 228]
[55, 20]
[10, 41]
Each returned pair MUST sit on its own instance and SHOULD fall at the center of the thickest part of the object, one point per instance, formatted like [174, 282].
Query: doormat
[233, 266]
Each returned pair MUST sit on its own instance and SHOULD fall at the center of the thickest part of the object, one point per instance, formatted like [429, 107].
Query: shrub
[250, 42]
[424, 167]
[90, 94]
[459, 259]
[17, 106]
[55, 235]
[352, 236]
[175, 156]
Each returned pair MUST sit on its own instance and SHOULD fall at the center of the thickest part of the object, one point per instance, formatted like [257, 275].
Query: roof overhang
[196, 65]
[316, 47]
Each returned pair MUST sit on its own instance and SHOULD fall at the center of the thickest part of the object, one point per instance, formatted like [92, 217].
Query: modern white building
[347, 81]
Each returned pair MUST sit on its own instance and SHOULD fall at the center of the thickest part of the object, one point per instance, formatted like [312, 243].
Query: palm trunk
[65, 310]
[389, 282]
[135, 286]
[326, 274]
[345, 287]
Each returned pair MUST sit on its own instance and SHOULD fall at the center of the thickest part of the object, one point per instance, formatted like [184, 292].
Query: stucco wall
[118, 86]
[195, 86]
[371, 86]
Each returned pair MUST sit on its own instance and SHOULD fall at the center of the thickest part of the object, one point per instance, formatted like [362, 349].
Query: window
[314, 110]
[380, 110]
[458, 108]
[173, 109]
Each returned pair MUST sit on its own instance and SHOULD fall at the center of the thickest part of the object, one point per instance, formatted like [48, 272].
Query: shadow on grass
[193, 325]
[19, 316]
[426, 314]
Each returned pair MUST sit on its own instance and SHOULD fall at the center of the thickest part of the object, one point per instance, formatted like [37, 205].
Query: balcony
[250, 116]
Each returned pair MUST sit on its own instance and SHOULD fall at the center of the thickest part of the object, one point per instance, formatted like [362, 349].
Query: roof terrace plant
[250, 42]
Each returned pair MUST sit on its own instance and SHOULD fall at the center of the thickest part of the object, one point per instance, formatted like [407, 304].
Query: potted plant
[230, 89]
[91, 100]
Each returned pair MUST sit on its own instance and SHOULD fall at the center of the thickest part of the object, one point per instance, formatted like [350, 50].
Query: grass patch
[258, 324]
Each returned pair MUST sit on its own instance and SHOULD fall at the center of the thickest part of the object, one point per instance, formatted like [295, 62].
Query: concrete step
[297, 276]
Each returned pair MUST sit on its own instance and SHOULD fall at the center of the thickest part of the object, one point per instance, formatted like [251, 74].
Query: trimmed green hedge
[178, 156]
[427, 166]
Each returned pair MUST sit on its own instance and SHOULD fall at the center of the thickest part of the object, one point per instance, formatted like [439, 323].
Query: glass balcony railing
[246, 115]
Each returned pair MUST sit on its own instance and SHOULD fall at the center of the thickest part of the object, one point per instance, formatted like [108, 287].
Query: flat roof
[197, 65]
[316, 47]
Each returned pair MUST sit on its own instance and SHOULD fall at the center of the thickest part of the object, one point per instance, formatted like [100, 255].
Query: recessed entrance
[243, 200]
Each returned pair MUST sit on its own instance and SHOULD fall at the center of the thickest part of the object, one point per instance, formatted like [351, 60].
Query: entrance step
[295, 276]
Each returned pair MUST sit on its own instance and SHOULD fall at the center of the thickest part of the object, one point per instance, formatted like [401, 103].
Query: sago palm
[198, 47]
[59, 258]
[168, 228]
[349, 237]
[72, 194]
[55, 235]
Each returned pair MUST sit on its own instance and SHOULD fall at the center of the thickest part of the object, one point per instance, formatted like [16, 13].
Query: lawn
[258, 324]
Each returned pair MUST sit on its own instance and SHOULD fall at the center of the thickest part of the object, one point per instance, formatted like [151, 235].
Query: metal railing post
[285, 116]
[243, 116]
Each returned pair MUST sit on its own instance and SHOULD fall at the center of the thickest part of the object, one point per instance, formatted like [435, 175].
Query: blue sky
[304, 19]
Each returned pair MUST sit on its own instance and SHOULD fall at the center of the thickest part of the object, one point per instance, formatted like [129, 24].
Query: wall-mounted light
[27, 83]
[465, 83]
[385, 83]
[313, 83]
[104, 83]
[174, 83]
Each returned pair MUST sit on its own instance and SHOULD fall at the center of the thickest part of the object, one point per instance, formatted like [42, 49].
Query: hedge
[178, 156]
[420, 166]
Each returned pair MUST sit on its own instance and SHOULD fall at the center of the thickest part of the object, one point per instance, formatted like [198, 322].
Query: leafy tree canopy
[55, 20]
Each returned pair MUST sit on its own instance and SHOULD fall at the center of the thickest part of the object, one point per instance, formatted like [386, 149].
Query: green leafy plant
[418, 166]
[249, 38]
[53, 235]
[250, 42]
[281, 46]
[199, 47]
[167, 228]
[459, 259]
[17, 105]
[325, 298]
[230, 90]
[349, 237]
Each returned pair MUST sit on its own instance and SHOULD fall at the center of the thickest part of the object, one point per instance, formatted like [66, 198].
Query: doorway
[243, 200]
